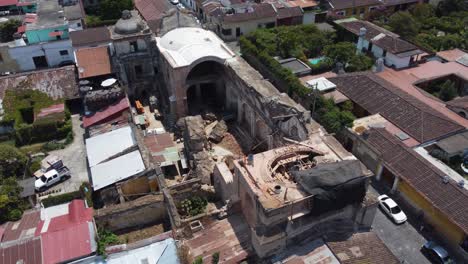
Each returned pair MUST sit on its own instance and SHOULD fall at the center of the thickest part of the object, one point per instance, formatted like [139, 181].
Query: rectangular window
[138, 71]
[226, 32]
[63, 52]
[133, 46]
[341, 13]
[354, 11]
[238, 32]
[1, 58]
[384, 54]
[270, 25]
[362, 10]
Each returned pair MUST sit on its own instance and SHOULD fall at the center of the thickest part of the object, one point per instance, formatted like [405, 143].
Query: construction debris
[218, 132]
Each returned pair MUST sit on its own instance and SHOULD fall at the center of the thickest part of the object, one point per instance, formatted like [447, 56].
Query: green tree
[7, 29]
[198, 260]
[215, 258]
[12, 161]
[448, 91]
[446, 7]
[340, 52]
[112, 9]
[404, 24]
[422, 11]
[11, 205]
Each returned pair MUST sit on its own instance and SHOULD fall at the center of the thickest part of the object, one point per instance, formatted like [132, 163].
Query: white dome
[187, 45]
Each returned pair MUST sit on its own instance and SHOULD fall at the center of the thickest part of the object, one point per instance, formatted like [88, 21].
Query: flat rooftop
[267, 170]
[49, 14]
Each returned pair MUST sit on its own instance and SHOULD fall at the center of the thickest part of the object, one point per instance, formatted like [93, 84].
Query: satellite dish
[108, 82]
[80, 69]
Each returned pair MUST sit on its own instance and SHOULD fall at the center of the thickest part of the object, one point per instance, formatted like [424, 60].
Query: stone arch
[205, 87]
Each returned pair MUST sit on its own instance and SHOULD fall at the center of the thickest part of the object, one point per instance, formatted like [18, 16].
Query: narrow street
[403, 240]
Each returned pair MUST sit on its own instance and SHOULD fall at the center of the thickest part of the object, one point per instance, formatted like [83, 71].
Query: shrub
[198, 260]
[105, 238]
[86, 192]
[12, 161]
[215, 258]
[61, 199]
[15, 215]
[193, 206]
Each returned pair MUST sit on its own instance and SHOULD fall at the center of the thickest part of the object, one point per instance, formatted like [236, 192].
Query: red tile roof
[408, 113]
[287, 12]
[67, 236]
[152, 9]
[261, 11]
[28, 251]
[343, 4]
[23, 228]
[8, 2]
[364, 247]
[53, 109]
[390, 41]
[90, 36]
[112, 110]
[426, 179]
[93, 62]
[67, 244]
[405, 80]
[451, 55]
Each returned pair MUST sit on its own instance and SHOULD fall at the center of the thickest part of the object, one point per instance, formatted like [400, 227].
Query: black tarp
[334, 185]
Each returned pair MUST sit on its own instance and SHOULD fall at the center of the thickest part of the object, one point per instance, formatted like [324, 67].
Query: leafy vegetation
[8, 28]
[12, 161]
[304, 42]
[215, 258]
[61, 198]
[435, 29]
[193, 206]
[11, 204]
[21, 107]
[107, 13]
[105, 238]
[444, 90]
[198, 260]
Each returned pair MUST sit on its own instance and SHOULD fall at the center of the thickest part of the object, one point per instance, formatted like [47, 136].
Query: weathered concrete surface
[146, 210]
[74, 157]
[57, 82]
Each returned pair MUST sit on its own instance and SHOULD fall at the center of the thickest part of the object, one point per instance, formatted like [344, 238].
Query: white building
[396, 52]
[41, 55]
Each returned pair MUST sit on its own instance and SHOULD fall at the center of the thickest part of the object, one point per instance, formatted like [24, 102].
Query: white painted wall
[75, 25]
[308, 18]
[397, 62]
[24, 54]
[245, 27]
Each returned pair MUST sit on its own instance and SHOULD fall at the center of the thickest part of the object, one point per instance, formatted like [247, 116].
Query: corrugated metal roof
[117, 169]
[27, 251]
[163, 252]
[104, 146]
[106, 113]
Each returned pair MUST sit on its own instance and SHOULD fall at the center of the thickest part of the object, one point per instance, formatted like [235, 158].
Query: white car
[50, 178]
[392, 209]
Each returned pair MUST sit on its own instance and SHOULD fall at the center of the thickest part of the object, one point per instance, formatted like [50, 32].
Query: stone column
[252, 124]
[395, 185]
[378, 173]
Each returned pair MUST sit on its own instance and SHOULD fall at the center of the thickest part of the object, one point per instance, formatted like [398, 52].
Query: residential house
[347, 8]
[18, 6]
[45, 42]
[396, 52]
[310, 8]
[75, 15]
[50, 235]
[392, 6]
[436, 198]
[235, 22]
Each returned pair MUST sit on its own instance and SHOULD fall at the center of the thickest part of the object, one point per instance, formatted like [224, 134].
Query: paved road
[74, 157]
[403, 240]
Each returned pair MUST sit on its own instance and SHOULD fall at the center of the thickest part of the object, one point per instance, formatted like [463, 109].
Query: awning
[21, 29]
[55, 33]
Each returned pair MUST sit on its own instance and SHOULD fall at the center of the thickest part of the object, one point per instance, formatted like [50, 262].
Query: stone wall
[141, 212]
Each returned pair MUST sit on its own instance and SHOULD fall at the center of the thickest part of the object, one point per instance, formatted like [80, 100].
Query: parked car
[436, 253]
[391, 208]
[50, 178]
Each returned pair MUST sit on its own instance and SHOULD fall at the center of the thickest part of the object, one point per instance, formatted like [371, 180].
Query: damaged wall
[141, 212]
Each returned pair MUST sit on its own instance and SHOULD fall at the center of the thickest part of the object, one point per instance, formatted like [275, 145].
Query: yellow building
[421, 188]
